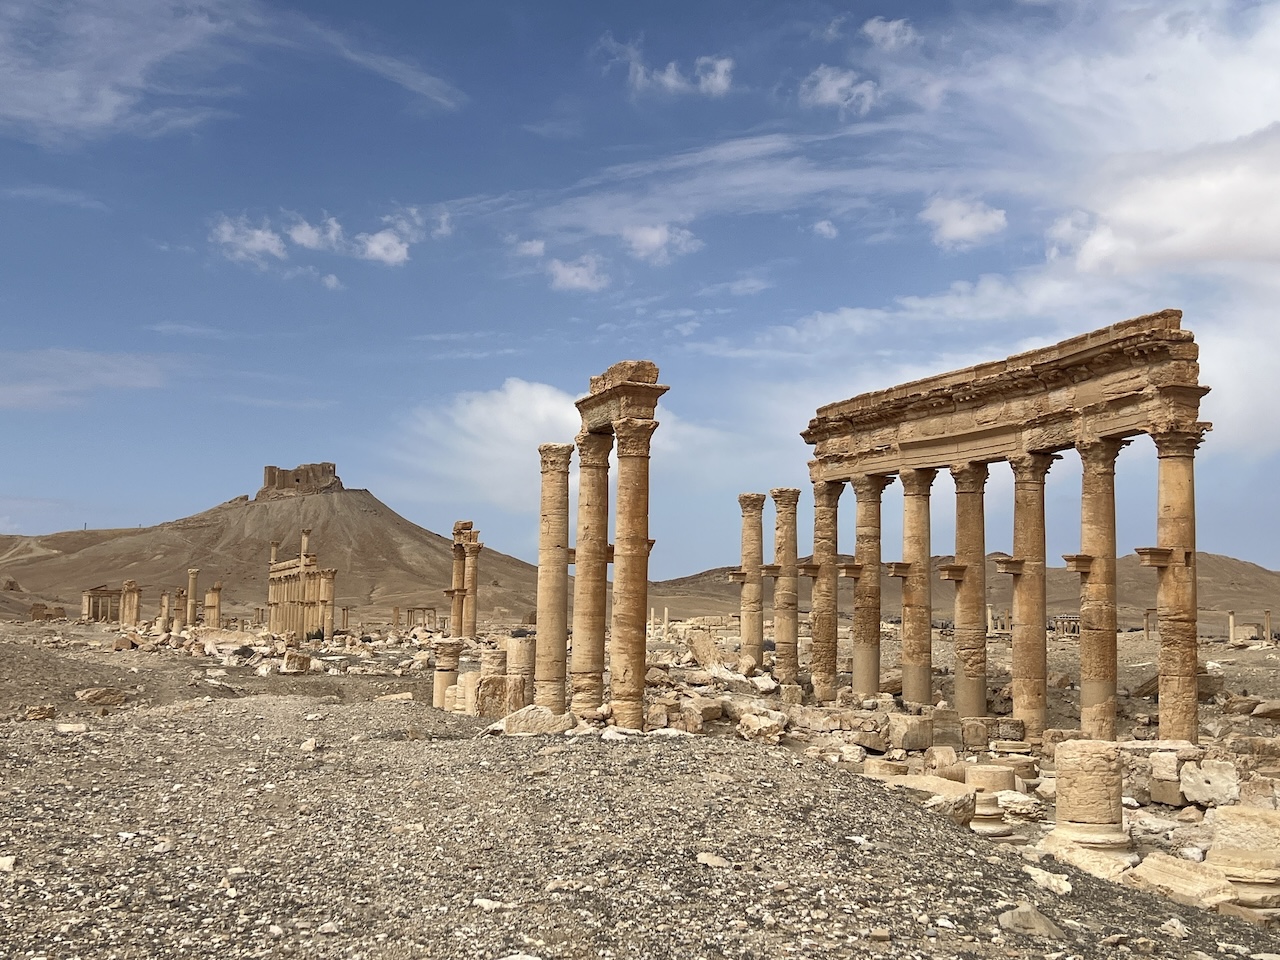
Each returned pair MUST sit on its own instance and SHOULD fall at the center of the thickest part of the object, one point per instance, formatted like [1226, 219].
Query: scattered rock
[1027, 920]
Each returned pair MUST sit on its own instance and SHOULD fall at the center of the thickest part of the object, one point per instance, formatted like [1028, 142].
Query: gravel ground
[203, 828]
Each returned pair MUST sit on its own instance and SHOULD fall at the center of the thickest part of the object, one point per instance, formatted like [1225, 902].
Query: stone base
[1168, 792]
[792, 693]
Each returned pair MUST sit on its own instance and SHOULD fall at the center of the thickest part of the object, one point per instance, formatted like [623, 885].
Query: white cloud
[656, 243]
[331, 282]
[833, 87]
[326, 235]
[581, 274]
[385, 246]
[530, 248]
[826, 229]
[959, 224]
[397, 70]
[742, 287]
[197, 330]
[712, 76]
[443, 227]
[486, 443]
[890, 34]
[55, 195]
[244, 242]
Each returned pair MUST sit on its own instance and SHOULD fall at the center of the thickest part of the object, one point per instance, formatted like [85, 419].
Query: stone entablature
[302, 479]
[1138, 376]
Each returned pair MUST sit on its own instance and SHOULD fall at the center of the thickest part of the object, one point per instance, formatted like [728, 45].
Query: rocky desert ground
[191, 806]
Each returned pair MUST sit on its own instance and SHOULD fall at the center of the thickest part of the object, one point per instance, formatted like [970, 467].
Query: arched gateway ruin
[1091, 393]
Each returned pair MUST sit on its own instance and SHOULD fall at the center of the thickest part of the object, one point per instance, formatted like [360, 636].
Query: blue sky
[401, 236]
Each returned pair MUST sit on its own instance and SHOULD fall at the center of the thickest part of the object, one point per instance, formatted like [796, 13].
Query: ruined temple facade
[300, 595]
[303, 479]
[1091, 394]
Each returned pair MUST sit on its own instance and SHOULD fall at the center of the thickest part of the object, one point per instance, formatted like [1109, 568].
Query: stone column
[630, 572]
[192, 574]
[130, 604]
[179, 610]
[1176, 583]
[1030, 609]
[917, 586]
[752, 600]
[971, 590]
[1090, 782]
[470, 579]
[275, 550]
[824, 614]
[786, 613]
[1231, 625]
[305, 547]
[866, 594]
[1098, 588]
[456, 590]
[327, 578]
[553, 578]
[590, 573]
[448, 653]
[1266, 625]
[213, 606]
[163, 625]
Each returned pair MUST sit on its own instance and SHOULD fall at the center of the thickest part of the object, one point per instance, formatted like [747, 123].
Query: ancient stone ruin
[300, 595]
[462, 593]
[1093, 394]
[302, 479]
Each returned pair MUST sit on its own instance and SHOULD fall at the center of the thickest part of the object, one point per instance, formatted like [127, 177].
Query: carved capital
[916, 483]
[593, 449]
[634, 436]
[1099, 456]
[826, 493]
[472, 549]
[555, 457]
[1178, 443]
[752, 503]
[970, 477]
[869, 486]
[192, 571]
[1031, 467]
[785, 498]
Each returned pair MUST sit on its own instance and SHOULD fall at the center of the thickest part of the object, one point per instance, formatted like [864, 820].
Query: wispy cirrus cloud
[54, 378]
[60, 196]
[82, 70]
[711, 76]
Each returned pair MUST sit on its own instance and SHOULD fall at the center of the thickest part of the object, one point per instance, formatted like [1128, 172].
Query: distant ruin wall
[303, 479]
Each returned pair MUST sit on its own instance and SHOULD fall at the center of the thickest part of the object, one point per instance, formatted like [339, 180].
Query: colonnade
[619, 409]
[465, 578]
[300, 595]
[1174, 556]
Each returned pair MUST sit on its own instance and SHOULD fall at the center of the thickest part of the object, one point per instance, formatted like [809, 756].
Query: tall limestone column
[786, 606]
[1030, 656]
[327, 578]
[751, 608]
[1176, 583]
[630, 572]
[824, 610]
[470, 580]
[179, 609]
[971, 590]
[213, 606]
[192, 574]
[553, 578]
[866, 595]
[1098, 662]
[590, 572]
[456, 589]
[917, 586]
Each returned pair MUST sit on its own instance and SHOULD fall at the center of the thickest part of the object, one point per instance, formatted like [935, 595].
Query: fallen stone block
[1210, 783]
[955, 801]
[1195, 884]
[102, 696]
[1029, 921]
[766, 726]
[534, 721]
[908, 732]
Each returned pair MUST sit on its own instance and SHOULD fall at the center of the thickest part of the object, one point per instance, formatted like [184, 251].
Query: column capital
[785, 497]
[869, 486]
[1031, 467]
[1179, 443]
[593, 449]
[633, 436]
[970, 477]
[192, 571]
[473, 548]
[917, 482]
[1099, 455]
[555, 457]
[826, 493]
[752, 503]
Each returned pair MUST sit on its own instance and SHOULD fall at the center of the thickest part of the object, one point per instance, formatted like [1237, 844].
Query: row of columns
[591, 557]
[1174, 557]
[465, 578]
